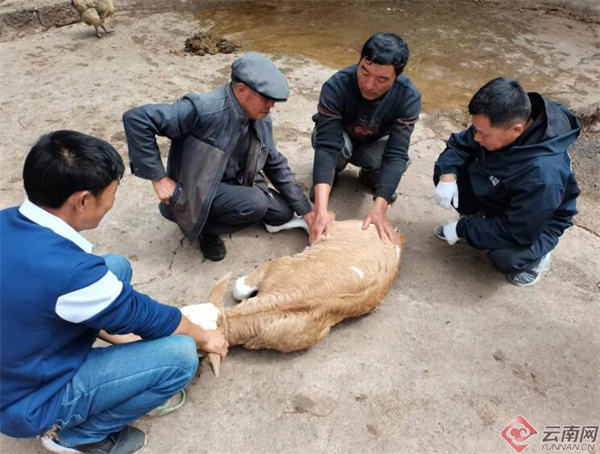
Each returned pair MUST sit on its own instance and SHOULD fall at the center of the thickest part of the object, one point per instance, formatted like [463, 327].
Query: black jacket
[527, 188]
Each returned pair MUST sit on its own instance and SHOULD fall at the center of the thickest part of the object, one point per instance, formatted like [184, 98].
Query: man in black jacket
[366, 115]
[509, 176]
[220, 142]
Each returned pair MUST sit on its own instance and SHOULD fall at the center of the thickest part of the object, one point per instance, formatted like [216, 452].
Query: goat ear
[218, 291]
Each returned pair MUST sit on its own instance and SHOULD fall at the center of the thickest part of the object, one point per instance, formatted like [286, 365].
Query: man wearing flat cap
[221, 144]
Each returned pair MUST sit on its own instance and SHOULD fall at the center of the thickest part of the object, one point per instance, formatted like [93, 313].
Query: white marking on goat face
[241, 291]
[358, 271]
[398, 251]
[205, 315]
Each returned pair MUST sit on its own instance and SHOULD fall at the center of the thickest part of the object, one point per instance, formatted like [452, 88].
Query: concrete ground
[449, 359]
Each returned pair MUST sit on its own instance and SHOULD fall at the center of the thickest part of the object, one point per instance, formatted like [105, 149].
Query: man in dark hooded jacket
[509, 176]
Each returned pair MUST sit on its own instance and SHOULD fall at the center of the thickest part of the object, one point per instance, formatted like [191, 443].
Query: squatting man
[509, 176]
[57, 297]
[221, 143]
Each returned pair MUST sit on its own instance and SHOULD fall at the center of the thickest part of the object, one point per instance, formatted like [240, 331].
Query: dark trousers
[367, 157]
[506, 260]
[235, 208]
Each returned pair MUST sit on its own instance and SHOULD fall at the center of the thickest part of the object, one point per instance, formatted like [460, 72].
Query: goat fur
[301, 297]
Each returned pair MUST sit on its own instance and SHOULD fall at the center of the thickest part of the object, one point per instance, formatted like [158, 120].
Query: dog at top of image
[301, 297]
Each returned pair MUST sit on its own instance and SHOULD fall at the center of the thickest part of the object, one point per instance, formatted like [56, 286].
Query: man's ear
[80, 200]
[517, 129]
[242, 89]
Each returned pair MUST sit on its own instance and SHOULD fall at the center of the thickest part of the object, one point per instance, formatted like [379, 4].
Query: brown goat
[300, 298]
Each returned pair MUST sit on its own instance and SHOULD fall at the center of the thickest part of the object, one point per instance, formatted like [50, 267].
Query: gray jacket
[204, 130]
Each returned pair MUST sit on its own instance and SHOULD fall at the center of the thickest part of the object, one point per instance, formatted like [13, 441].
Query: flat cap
[260, 73]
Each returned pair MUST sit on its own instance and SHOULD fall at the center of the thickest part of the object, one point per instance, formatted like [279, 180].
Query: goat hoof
[241, 291]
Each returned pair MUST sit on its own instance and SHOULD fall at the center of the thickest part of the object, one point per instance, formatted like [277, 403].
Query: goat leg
[246, 286]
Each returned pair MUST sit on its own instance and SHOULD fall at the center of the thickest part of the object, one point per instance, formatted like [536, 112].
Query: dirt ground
[454, 353]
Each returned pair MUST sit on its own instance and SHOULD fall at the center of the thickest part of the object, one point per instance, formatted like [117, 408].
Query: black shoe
[370, 178]
[213, 248]
[128, 440]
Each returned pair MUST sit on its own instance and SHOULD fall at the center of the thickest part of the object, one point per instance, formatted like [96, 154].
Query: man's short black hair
[503, 101]
[386, 49]
[64, 162]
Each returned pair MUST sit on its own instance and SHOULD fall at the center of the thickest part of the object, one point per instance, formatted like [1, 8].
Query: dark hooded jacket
[527, 190]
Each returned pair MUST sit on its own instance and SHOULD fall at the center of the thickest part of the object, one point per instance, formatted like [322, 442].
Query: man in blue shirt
[56, 296]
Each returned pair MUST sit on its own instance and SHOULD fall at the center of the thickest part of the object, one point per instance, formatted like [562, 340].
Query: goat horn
[215, 363]
[216, 296]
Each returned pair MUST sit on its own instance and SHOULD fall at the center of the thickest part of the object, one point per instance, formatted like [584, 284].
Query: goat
[301, 297]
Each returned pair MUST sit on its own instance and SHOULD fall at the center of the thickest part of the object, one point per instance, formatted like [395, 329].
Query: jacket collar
[42, 217]
[238, 112]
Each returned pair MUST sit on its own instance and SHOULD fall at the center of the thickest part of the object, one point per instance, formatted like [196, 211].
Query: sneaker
[439, 232]
[370, 178]
[213, 248]
[128, 440]
[174, 403]
[530, 277]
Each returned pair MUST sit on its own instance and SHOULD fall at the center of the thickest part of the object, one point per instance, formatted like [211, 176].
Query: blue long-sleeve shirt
[55, 296]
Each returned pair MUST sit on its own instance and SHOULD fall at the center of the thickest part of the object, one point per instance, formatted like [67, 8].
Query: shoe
[311, 193]
[213, 248]
[128, 440]
[530, 277]
[295, 222]
[439, 232]
[174, 403]
[370, 178]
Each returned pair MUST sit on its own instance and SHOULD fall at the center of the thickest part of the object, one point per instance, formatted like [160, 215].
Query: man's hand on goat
[378, 217]
[211, 341]
[164, 189]
[446, 192]
[319, 224]
[207, 340]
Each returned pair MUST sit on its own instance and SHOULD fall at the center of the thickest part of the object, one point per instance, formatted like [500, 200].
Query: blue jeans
[119, 384]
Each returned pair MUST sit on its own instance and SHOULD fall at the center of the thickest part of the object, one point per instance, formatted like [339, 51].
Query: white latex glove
[447, 193]
[450, 233]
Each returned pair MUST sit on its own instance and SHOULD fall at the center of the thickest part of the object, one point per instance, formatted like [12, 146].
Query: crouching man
[57, 296]
[509, 176]
[220, 142]
[366, 115]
